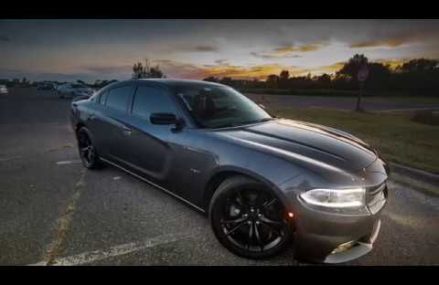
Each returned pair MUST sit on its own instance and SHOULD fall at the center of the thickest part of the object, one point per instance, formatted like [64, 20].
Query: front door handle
[127, 131]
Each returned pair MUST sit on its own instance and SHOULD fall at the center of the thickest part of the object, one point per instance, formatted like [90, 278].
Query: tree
[272, 81]
[155, 72]
[418, 76]
[379, 75]
[323, 81]
[211, 79]
[79, 81]
[226, 81]
[284, 75]
[283, 78]
[420, 64]
[146, 71]
[352, 67]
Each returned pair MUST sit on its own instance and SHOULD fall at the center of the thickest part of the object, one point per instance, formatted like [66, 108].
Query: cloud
[222, 61]
[380, 43]
[397, 40]
[177, 69]
[332, 68]
[108, 69]
[205, 48]
[289, 51]
[195, 48]
[393, 63]
[272, 55]
[303, 48]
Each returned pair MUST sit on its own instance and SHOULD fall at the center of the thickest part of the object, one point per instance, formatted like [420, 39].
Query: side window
[148, 100]
[118, 97]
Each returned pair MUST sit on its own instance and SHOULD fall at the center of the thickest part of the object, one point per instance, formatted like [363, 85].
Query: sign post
[362, 75]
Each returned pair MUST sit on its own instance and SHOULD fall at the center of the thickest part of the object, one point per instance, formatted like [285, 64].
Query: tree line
[414, 77]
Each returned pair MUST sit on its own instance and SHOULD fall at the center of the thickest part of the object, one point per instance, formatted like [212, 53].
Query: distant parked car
[3, 89]
[71, 90]
[45, 86]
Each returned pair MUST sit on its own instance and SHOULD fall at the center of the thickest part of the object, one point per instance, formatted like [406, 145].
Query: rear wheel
[87, 150]
[248, 219]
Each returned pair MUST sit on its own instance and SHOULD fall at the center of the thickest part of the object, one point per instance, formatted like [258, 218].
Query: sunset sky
[107, 49]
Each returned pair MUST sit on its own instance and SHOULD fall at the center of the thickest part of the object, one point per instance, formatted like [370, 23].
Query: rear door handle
[91, 117]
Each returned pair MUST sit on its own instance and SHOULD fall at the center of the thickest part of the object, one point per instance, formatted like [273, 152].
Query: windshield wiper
[230, 125]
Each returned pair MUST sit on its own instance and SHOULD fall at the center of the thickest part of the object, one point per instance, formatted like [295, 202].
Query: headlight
[335, 198]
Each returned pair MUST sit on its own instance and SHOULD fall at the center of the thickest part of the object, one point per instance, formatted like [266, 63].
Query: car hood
[306, 142]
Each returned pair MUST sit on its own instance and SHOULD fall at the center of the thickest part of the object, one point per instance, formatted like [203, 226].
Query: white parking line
[10, 158]
[96, 255]
[64, 162]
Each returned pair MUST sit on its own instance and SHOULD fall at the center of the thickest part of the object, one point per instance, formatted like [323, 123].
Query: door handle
[91, 117]
[127, 131]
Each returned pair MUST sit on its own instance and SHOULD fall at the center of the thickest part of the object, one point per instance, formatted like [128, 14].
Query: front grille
[376, 197]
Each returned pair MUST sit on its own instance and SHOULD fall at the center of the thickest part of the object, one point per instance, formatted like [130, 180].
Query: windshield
[219, 107]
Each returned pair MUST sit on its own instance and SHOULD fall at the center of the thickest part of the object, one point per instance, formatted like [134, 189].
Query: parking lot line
[118, 250]
[63, 162]
[10, 158]
[64, 222]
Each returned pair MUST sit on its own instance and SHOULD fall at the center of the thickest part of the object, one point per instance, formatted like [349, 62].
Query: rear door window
[118, 98]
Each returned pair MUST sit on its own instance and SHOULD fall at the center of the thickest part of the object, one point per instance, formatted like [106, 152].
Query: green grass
[395, 136]
[394, 96]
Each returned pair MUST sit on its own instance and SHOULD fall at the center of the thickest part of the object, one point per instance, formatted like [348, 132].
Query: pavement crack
[56, 247]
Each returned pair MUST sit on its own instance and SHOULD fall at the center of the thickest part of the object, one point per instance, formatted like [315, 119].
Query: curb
[414, 173]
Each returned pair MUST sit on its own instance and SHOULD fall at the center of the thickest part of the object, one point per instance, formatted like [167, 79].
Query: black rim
[254, 220]
[86, 148]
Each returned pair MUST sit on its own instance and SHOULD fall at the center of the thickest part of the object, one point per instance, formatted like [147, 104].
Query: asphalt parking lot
[53, 211]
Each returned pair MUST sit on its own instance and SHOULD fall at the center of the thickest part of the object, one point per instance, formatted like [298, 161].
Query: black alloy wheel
[248, 219]
[87, 151]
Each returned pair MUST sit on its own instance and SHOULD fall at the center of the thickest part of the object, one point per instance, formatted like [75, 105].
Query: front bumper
[358, 249]
[328, 237]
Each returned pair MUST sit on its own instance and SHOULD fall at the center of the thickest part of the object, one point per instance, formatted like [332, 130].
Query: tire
[248, 219]
[87, 151]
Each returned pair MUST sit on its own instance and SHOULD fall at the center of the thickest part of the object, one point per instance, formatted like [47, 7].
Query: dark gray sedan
[266, 183]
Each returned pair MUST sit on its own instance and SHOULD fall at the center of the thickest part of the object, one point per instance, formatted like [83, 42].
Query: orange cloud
[175, 69]
[392, 63]
[332, 68]
[395, 41]
[302, 48]
[379, 43]
[289, 51]
[221, 69]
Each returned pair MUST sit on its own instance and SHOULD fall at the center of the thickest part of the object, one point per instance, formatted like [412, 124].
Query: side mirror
[164, 119]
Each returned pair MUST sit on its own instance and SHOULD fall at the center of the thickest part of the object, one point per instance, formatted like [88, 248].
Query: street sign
[363, 73]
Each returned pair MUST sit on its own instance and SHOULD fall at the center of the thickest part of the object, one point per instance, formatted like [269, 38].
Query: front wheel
[248, 219]
[87, 150]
